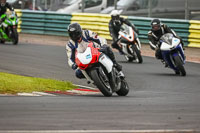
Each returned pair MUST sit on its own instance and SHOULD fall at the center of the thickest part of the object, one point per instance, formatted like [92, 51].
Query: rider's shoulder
[164, 25]
[90, 33]
[150, 32]
[70, 43]
[122, 19]
[86, 32]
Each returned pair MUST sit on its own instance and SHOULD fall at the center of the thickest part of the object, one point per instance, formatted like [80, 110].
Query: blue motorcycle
[172, 53]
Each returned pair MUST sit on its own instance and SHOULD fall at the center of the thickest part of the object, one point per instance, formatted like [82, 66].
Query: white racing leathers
[87, 36]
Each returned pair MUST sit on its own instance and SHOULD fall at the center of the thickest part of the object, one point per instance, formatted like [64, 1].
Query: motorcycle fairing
[106, 62]
[127, 33]
[168, 56]
[86, 57]
[170, 45]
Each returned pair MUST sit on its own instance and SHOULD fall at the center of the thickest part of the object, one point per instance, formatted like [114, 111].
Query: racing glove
[74, 66]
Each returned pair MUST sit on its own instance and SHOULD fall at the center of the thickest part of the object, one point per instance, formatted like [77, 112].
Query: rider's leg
[158, 55]
[115, 45]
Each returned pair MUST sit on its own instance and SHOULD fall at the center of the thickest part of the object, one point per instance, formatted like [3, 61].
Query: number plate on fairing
[86, 57]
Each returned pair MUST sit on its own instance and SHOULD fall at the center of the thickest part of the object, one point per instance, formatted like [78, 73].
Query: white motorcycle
[130, 44]
[99, 69]
[172, 53]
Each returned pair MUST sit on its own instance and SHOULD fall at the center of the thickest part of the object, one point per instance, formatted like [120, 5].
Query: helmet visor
[115, 17]
[156, 27]
[75, 36]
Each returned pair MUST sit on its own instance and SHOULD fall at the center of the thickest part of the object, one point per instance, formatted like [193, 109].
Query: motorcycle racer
[78, 43]
[157, 30]
[114, 27]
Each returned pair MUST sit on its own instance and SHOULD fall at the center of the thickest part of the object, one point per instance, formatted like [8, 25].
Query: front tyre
[101, 84]
[179, 65]
[124, 89]
[15, 36]
[138, 53]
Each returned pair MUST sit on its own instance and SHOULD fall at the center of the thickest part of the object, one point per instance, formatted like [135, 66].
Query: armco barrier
[49, 23]
[19, 14]
[194, 37]
[95, 22]
[52, 23]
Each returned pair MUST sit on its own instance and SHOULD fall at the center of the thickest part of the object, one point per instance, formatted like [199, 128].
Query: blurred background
[178, 9]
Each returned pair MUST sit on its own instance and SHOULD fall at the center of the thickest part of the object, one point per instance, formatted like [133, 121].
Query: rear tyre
[179, 65]
[15, 37]
[138, 54]
[100, 83]
[124, 89]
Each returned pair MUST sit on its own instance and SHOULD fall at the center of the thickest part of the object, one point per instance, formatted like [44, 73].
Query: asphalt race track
[158, 98]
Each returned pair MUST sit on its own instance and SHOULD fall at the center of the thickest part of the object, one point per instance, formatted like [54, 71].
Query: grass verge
[13, 84]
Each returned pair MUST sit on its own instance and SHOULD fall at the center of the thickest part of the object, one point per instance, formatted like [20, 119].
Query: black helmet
[75, 31]
[115, 16]
[3, 2]
[155, 24]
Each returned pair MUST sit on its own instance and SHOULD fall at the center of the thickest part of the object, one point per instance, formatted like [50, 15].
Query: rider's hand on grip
[74, 66]
[103, 48]
[137, 31]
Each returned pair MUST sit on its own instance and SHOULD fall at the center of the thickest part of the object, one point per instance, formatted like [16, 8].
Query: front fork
[89, 80]
[139, 44]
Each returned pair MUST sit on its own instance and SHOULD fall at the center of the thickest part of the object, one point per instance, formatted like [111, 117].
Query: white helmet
[115, 13]
[115, 17]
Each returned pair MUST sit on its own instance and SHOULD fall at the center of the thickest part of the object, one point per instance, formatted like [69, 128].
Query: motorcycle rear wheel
[179, 65]
[100, 83]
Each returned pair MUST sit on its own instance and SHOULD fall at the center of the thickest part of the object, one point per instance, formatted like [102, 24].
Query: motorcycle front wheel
[15, 37]
[179, 65]
[101, 82]
[138, 53]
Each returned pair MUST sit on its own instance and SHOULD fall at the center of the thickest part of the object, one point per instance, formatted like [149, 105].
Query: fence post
[115, 4]
[83, 5]
[186, 10]
[33, 4]
[150, 8]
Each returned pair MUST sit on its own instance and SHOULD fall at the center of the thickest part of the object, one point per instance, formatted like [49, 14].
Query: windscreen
[124, 28]
[167, 38]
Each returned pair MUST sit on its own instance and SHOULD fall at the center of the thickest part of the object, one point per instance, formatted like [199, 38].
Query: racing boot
[165, 63]
[119, 69]
[117, 65]
[121, 52]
